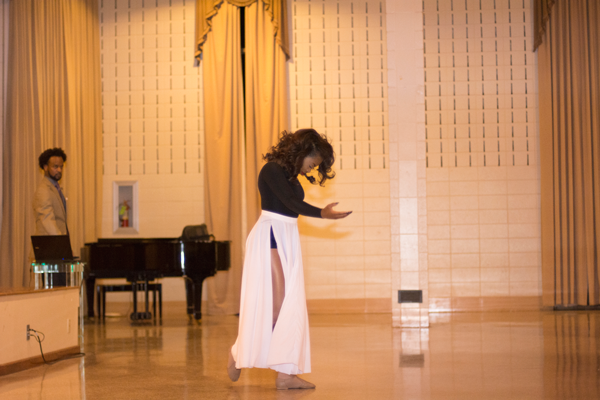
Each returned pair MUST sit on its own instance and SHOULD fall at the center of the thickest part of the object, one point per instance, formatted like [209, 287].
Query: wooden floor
[525, 355]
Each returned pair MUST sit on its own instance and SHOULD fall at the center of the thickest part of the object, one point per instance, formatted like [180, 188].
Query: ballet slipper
[292, 382]
[232, 371]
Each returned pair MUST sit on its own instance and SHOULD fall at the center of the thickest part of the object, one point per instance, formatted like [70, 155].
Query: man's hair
[55, 152]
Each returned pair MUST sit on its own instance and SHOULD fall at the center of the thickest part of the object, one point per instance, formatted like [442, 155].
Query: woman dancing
[273, 328]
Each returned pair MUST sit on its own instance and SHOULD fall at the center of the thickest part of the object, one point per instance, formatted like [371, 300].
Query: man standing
[49, 203]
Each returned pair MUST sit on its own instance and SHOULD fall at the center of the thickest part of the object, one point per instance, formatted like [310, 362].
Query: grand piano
[143, 260]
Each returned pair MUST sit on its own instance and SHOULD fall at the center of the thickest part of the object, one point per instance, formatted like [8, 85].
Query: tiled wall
[483, 185]
[444, 185]
[152, 116]
[338, 85]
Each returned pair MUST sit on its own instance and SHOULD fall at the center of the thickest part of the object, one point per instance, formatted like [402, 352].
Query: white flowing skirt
[286, 348]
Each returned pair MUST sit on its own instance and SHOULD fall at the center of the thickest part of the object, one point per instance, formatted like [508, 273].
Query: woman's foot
[285, 381]
[232, 371]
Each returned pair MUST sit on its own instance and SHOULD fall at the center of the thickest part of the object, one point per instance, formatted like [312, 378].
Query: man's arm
[44, 212]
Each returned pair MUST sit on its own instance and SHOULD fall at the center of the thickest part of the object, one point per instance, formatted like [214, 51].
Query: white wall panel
[338, 86]
[481, 148]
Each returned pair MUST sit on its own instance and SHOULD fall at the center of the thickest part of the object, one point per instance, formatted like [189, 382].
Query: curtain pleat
[224, 135]
[266, 97]
[54, 91]
[569, 92]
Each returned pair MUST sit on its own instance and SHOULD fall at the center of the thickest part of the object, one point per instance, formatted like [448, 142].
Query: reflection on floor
[527, 355]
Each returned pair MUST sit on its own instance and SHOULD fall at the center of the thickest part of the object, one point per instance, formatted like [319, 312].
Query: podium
[48, 275]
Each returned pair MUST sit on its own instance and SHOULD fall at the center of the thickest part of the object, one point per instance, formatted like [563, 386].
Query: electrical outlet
[28, 332]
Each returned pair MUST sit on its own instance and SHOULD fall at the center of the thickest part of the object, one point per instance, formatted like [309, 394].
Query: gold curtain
[207, 9]
[266, 97]
[569, 103]
[541, 13]
[55, 101]
[224, 135]
[233, 148]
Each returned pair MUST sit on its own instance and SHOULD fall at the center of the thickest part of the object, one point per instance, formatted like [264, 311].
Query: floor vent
[410, 296]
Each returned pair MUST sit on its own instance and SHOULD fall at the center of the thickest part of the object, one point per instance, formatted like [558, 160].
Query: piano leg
[90, 282]
[134, 290]
[198, 299]
[146, 294]
[102, 300]
[99, 301]
[154, 303]
[159, 301]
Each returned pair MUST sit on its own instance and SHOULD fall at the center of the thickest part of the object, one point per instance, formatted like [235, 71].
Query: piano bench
[152, 287]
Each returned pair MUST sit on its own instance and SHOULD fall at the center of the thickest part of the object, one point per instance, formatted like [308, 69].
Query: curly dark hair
[55, 152]
[293, 147]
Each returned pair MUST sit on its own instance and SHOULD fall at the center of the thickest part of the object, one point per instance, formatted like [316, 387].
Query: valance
[541, 13]
[207, 9]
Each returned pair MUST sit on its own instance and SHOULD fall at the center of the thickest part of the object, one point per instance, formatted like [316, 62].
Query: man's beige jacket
[50, 214]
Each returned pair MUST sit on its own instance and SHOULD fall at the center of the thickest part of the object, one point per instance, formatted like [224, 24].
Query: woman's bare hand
[329, 213]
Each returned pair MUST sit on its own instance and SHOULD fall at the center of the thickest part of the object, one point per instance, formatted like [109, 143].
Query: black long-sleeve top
[281, 196]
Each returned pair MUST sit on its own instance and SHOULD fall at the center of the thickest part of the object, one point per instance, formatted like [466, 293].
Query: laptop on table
[52, 248]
